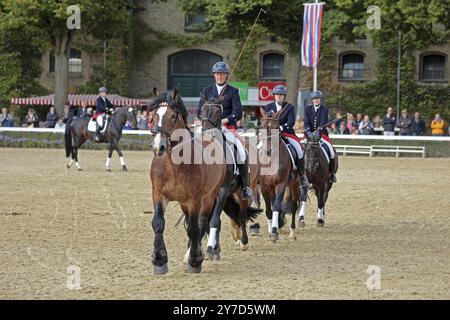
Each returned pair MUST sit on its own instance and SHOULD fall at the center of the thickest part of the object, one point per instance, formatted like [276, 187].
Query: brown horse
[318, 173]
[211, 125]
[279, 182]
[192, 183]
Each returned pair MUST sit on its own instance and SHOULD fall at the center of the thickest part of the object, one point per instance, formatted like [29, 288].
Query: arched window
[433, 67]
[273, 66]
[352, 67]
[75, 60]
[190, 71]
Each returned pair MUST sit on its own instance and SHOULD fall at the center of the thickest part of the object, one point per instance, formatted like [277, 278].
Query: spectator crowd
[388, 125]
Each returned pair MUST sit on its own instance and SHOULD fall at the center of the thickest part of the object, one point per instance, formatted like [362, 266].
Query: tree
[100, 19]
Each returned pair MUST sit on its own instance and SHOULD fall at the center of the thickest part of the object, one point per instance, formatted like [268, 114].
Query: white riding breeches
[230, 137]
[296, 146]
[330, 147]
[100, 120]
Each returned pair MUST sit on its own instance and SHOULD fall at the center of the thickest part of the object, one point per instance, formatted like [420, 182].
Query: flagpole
[315, 70]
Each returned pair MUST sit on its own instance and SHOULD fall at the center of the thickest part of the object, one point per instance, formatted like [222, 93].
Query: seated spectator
[389, 123]
[142, 120]
[418, 125]
[404, 123]
[338, 119]
[5, 119]
[31, 119]
[343, 129]
[359, 118]
[365, 126]
[332, 128]
[437, 126]
[350, 122]
[83, 110]
[52, 117]
[60, 124]
[377, 125]
[355, 131]
[299, 126]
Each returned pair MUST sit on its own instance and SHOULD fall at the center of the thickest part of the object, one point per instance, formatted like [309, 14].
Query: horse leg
[320, 208]
[119, 151]
[75, 147]
[303, 198]
[243, 206]
[195, 258]
[295, 201]
[108, 160]
[276, 210]
[268, 203]
[213, 246]
[159, 248]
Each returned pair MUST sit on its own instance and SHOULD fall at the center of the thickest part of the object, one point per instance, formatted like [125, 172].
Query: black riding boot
[301, 170]
[333, 170]
[243, 170]
[97, 133]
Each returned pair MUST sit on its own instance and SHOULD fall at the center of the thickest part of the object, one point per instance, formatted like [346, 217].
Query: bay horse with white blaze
[280, 185]
[193, 184]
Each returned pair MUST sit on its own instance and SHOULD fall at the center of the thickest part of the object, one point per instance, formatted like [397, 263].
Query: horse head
[169, 114]
[313, 152]
[212, 113]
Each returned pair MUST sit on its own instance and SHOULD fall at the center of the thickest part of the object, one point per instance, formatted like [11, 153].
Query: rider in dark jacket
[102, 106]
[231, 113]
[316, 120]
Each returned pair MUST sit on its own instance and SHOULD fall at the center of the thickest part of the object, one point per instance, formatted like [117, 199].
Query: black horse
[318, 173]
[77, 133]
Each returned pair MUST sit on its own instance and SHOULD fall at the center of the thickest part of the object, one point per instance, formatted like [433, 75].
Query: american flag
[312, 26]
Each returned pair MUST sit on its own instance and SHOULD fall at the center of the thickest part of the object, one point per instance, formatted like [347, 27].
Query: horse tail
[232, 209]
[68, 139]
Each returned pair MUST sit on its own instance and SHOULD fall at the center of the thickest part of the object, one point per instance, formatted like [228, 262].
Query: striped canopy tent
[76, 99]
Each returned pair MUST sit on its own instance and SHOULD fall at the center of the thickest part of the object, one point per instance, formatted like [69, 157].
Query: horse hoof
[293, 238]
[320, 223]
[301, 223]
[191, 269]
[216, 257]
[209, 253]
[80, 169]
[108, 170]
[244, 247]
[124, 168]
[158, 270]
[274, 235]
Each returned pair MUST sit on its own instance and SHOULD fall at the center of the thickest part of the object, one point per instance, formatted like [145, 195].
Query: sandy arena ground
[392, 213]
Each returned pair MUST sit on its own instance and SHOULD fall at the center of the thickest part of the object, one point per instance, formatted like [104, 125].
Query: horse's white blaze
[303, 209]
[161, 112]
[122, 161]
[275, 219]
[269, 225]
[108, 162]
[157, 141]
[320, 214]
[212, 237]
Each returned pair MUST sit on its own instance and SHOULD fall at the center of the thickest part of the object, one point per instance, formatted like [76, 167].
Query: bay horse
[280, 185]
[318, 173]
[193, 184]
[76, 133]
[211, 125]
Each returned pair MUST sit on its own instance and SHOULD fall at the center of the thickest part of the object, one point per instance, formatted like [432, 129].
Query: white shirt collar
[316, 107]
[220, 88]
[278, 106]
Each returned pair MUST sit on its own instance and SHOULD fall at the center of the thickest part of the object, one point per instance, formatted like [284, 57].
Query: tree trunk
[62, 48]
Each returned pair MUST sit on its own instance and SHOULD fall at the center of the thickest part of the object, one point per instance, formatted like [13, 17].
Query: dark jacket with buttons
[231, 104]
[313, 120]
[287, 117]
[102, 105]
